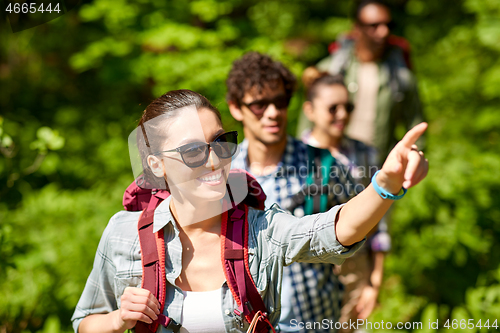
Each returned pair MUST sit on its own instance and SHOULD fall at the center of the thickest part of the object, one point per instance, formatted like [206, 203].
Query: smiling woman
[329, 109]
[162, 131]
[184, 159]
[182, 143]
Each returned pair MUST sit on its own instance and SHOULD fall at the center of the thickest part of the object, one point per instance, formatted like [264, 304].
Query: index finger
[412, 135]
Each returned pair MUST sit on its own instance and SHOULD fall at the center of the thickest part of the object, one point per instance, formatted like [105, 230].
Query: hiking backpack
[234, 236]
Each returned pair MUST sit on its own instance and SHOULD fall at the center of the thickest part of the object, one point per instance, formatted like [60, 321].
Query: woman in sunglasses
[181, 142]
[328, 108]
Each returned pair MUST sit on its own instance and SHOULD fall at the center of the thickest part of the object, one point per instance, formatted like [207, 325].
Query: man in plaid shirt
[259, 90]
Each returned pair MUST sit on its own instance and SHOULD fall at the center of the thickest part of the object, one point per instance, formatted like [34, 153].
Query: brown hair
[256, 70]
[169, 105]
[174, 100]
[313, 78]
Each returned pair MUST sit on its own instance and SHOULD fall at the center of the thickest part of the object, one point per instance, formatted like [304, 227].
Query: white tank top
[202, 312]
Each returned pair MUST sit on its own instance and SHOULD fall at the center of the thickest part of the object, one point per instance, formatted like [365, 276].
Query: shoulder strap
[341, 55]
[153, 266]
[234, 242]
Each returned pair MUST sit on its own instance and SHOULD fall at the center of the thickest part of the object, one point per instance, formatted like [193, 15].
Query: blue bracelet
[383, 192]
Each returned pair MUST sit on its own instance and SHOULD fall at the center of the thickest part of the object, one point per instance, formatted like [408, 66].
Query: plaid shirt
[316, 291]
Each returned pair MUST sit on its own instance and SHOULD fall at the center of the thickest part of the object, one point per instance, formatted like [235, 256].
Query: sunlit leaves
[47, 139]
[72, 90]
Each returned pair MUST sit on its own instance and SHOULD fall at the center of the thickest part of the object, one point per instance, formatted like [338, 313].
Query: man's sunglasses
[259, 107]
[374, 26]
[196, 154]
[349, 107]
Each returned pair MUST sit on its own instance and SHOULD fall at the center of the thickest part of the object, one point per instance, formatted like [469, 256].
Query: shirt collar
[162, 215]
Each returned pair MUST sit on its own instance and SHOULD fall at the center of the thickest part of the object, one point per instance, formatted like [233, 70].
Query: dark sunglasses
[258, 107]
[374, 26]
[196, 154]
[349, 107]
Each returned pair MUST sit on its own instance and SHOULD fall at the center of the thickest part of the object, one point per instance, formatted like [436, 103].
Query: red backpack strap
[234, 242]
[137, 198]
[153, 266]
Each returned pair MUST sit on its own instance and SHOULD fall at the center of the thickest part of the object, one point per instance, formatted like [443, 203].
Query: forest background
[71, 91]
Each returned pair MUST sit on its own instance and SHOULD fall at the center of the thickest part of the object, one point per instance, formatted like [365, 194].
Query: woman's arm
[136, 304]
[404, 167]
[105, 323]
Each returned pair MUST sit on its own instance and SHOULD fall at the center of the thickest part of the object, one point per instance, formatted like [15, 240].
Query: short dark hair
[363, 3]
[256, 70]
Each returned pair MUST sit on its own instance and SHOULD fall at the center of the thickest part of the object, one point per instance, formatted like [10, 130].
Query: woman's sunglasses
[349, 107]
[196, 154]
[259, 107]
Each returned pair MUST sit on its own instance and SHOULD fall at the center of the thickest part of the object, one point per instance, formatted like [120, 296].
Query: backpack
[234, 236]
[347, 42]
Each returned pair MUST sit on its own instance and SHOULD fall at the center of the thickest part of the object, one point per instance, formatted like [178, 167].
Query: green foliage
[49, 244]
[72, 90]
[446, 247]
